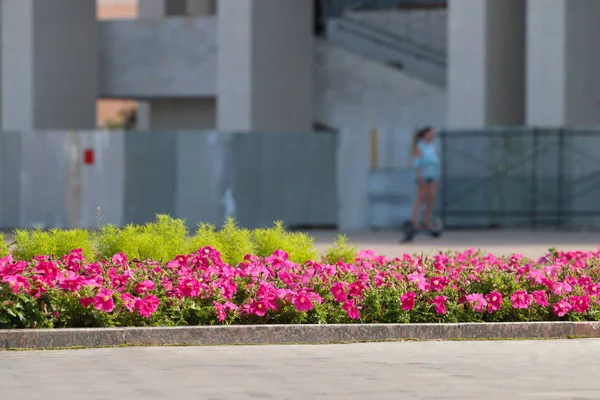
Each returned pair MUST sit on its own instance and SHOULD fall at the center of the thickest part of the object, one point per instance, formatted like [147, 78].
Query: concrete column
[49, 64]
[563, 60]
[178, 114]
[265, 64]
[486, 63]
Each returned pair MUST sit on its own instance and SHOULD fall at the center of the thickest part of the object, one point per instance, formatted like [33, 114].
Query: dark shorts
[429, 181]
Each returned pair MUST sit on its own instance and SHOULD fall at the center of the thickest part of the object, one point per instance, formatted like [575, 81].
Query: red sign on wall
[88, 157]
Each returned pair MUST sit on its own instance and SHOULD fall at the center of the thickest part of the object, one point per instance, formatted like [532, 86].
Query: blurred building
[283, 66]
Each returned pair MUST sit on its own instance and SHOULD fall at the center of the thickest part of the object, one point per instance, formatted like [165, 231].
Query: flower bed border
[290, 334]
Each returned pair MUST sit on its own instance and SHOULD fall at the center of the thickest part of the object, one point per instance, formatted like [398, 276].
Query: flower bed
[200, 289]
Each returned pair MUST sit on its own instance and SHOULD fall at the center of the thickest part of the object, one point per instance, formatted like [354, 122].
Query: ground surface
[499, 242]
[409, 370]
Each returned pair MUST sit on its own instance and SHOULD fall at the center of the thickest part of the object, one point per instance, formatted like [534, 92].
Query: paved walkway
[499, 242]
[411, 370]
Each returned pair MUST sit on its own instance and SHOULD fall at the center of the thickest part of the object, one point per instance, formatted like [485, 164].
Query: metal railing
[526, 177]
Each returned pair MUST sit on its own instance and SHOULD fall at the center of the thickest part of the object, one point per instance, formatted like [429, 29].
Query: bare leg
[418, 201]
[430, 192]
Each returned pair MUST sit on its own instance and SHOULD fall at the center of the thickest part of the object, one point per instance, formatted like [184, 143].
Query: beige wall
[114, 9]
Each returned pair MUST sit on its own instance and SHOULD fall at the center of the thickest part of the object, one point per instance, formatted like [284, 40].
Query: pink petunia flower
[494, 300]
[120, 260]
[440, 304]
[144, 287]
[561, 308]
[258, 308]
[419, 280]
[351, 309]
[477, 301]
[147, 306]
[339, 292]
[540, 298]
[302, 302]
[521, 299]
[128, 301]
[103, 301]
[16, 283]
[189, 287]
[580, 304]
[408, 301]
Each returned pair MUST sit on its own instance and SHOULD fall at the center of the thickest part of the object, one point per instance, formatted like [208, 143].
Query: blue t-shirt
[428, 160]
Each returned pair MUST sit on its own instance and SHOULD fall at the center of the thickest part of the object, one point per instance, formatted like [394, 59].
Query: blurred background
[300, 110]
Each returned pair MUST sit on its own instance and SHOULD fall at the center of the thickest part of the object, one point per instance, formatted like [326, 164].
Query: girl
[427, 168]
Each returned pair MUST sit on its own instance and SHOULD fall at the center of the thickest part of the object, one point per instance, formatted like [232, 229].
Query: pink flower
[339, 292]
[539, 296]
[521, 299]
[438, 283]
[145, 286]
[561, 308]
[258, 308]
[120, 260]
[580, 304]
[220, 310]
[356, 289]
[103, 301]
[48, 271]
[16, 283]
[408, 301]
[129, 301]
[440, 304]
[477, 301]
[86, 301]
[189, 287]
[351, 309]
[72, 282]
[494, 300]
[147, 306]
[302, 302]
[419, 281]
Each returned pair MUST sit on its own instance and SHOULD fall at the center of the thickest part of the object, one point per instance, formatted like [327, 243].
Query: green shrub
[206, 235]
[299, 246]
[56, 242]
[3, 245]
[30, 243]
[234, 243]
[341, 251]
[66, 240]
[161, 240]
[108, 242]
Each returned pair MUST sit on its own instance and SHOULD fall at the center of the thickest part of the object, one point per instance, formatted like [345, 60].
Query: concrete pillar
[179, 114]
[49, 64]
[563, 60]
[486, 63]
[265, 64]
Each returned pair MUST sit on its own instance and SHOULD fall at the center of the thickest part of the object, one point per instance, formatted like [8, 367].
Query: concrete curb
[290, 334]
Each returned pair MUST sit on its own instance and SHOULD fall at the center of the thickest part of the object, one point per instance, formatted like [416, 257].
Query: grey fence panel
[150, 178]
[203, 177]
[103, 181]
[10, 179]
[43, 179]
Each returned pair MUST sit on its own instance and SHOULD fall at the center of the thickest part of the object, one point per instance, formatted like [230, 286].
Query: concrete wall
[563, 63]
[486, 59]
[265, 65]
[138, 59]
[45, 91]
[169, 115]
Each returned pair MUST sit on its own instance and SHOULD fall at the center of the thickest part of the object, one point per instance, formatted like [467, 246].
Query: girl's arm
[417, 163]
